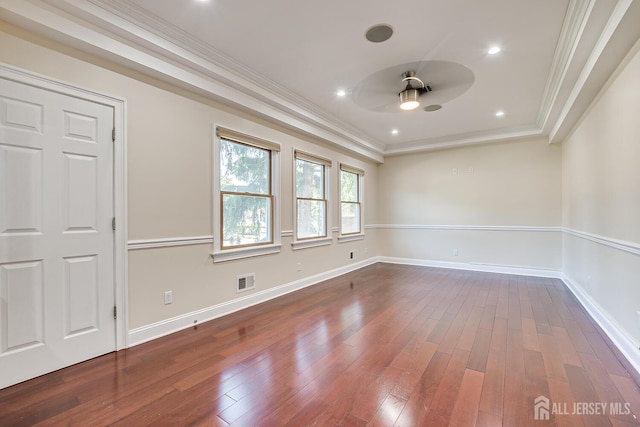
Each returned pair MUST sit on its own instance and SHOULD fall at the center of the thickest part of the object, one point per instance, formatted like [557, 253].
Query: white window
[311, 200]
[246, 217]
[351, 186]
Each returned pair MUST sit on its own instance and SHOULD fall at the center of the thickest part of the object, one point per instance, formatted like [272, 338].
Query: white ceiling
[286, 59]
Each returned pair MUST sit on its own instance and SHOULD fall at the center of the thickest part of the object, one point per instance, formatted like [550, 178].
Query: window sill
[350, 237]
[304, 244]
[231, 254]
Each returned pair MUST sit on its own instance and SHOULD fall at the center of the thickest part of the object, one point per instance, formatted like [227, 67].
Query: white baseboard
[489, 268]
[627, 345]
[165, 327]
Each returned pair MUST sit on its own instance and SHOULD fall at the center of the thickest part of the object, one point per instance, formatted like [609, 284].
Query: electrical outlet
[299, 267]
[455, 252]
[168, 297]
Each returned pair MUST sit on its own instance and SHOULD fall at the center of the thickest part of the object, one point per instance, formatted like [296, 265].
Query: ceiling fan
[409, 97]
[405, 87]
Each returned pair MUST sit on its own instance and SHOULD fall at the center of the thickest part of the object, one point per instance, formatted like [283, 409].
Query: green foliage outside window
[349, 203]
[245, 185]
[310, 199]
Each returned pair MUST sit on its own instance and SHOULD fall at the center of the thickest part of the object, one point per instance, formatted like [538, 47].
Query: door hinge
[115, 312]
[113, 134]
[113, 223]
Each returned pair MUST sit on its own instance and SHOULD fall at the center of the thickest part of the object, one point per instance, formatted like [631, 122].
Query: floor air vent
[245, 282]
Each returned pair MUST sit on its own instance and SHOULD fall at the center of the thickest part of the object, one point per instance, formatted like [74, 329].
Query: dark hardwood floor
[385, 345]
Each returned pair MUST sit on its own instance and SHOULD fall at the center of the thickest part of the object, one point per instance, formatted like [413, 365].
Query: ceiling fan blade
[429, 54]
[379, 91]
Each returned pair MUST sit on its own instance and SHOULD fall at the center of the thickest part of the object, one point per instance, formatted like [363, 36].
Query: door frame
[119, 106]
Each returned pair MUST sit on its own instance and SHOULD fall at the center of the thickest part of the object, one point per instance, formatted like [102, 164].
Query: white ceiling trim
[200, 75]
[190, 50]
[560, 128]
[120, 32]
[460, 141]
[578, 13]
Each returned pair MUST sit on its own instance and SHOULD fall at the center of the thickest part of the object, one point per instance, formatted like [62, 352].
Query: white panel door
[56, 238]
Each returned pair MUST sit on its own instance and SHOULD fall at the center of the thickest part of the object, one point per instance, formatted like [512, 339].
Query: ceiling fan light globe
[409, 99]
[409, 105]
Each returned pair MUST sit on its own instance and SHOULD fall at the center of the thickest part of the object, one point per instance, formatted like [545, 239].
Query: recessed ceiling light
[394, 131]
[499, 113]
[341, 93]
[493, 50]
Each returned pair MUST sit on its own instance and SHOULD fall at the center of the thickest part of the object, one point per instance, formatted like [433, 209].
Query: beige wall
[496, 185]
[589, 185]
[170, 171]
[601, 176]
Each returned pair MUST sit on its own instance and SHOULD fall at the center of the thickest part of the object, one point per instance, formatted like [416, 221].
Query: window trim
[243, 138]
[358, 235]
[246, 245]
[326, 239]
[219, 253]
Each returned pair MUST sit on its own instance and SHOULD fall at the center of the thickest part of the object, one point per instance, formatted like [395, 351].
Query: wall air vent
[245, 282]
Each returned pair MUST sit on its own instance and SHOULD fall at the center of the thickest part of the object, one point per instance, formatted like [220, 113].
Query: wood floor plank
[580, 342]
[502, 308]
[604, 353]
[499, 335]
[422, 395]
[583, 391]
[553, 360]
[308, 414]
[480, 351]
[468, 335]
[389, 411]
[383, 345]
[514, 313]
[489, 316]
[530, 335]
[492, 396]
[515, 407]
[536, 380]
[606, 389]
[568, 351]
[465, 408]
[561, 395]
[486, 419]
[448, 388]
[369, 399]
[630, 392]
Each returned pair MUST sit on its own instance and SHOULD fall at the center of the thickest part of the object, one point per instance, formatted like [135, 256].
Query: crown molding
[620, 33]
[87, 26]
[245, 76]
[578, 13]
[126, 34]
[462, 140]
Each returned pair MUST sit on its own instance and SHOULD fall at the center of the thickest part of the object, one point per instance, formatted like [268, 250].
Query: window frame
[357, 235]
[313, 241]
[225, 253]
